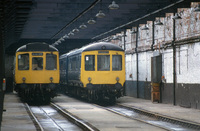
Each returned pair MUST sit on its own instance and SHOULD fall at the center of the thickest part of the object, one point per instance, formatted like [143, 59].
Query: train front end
[36, 72]
[103, 72]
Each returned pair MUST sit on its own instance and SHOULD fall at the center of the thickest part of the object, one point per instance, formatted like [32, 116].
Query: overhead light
[75, 30]
[113, 6]
[58, 41]
[115, 37]
[91, 21]
[158, 22]
[120, 36]
[70, 33]
[61, 39]
[123, 35]
[107, 40]
[65, 36]
[145, 27]
[197, 9]
[100, 14]
[133, 31]
[83, 26]
[177, 16]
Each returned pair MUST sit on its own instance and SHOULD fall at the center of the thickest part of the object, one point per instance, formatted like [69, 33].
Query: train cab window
[116, 62]
[23, 62]
[103, 62]
[37, 63]
[51, 62]
[90, 62]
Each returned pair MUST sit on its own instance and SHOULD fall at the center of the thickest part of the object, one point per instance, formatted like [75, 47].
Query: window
[51, 62]
[103, 62]
[73, 63]
[23, 62]
[79, 63]
[116, 62]
[70, 64]
[61, 64]
[37, 63]
[90, 62]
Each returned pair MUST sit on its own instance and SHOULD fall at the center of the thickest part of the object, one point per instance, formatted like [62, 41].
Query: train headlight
[23, 79]
[117, 79]
[51, 79]
[89, 79]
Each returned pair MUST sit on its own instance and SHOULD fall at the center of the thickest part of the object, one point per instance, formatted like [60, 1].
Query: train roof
[94, 46]
[36, 46]
[102, 46]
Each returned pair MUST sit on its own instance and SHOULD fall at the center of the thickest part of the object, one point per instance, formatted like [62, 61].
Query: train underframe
[36, 92]
[97, 92]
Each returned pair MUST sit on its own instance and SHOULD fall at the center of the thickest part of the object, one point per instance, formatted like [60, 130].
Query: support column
[125, 57]
[137, 63]
[153, 35]
[174, 61]
[124, 40]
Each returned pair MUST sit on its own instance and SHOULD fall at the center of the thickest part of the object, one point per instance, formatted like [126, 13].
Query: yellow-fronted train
[36, 72]
[95, 72]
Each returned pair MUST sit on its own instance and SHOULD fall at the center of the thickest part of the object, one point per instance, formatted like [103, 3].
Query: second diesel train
[36, 72]
[96, 71]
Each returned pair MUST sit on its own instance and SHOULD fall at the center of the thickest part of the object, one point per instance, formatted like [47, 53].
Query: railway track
[80, 108]
[52, 117]
[158, 120]
[180, 122]
[100, 117]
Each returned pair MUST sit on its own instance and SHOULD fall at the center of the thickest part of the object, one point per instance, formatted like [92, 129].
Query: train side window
[103, 62]
[37, 63]
[69, 65]
[73, 63]
[51, 62]
[90, 62]
[61, 64]
[116, 62]
[79, 63]
[23, 62]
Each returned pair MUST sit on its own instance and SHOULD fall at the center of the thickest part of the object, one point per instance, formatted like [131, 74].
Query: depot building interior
[161, 40]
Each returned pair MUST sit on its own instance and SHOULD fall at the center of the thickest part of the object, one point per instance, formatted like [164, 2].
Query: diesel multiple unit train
[36, 72]
[96, 71]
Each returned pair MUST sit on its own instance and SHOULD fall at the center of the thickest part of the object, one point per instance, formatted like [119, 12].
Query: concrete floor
[15, 118]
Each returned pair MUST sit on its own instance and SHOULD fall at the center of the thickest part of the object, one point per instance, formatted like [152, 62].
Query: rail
[36, 122]
[84, 125]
